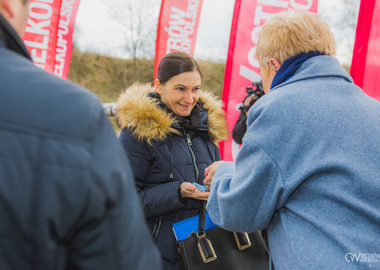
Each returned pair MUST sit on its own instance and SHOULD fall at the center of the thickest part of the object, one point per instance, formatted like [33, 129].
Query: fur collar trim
[148, 122]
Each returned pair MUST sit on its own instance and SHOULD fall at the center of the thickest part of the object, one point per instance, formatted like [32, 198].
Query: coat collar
[148, 121]
[10, 39]
[318, 66]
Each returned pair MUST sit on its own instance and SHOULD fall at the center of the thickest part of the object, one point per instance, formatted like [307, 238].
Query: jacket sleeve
[246, 194]
[217, 154]
[245, 198]
[158, 199]
[112, 233]
[240, 128]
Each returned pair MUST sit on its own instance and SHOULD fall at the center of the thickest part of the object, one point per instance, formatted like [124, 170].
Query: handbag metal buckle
[242, 240]
[201, 235]
[205, 248]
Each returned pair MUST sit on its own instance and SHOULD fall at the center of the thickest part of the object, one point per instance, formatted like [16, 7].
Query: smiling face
[181, 92]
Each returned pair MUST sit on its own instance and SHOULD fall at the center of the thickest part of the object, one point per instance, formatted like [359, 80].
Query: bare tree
[343, 24]
[138, 23]
[347, 24]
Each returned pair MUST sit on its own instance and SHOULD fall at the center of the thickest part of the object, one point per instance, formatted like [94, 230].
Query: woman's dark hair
[175, 63]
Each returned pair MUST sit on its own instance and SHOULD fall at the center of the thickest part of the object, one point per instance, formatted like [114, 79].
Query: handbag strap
[202, 217]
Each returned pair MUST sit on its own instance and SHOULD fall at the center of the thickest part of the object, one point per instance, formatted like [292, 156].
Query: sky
[101, 26]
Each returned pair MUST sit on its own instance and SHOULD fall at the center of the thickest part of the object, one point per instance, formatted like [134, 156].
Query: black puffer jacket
[67, 197]
[163, 154]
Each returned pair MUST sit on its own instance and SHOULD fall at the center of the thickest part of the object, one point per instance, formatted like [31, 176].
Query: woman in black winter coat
[170, 133]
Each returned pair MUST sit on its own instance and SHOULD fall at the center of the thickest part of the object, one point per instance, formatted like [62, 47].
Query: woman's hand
[210, 172]
[248, 101]
[188, 190]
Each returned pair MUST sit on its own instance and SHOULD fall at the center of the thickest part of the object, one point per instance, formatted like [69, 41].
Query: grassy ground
[107, 76]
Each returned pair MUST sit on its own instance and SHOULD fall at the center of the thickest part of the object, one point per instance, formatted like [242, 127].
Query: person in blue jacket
[309, 166]
[170, 133]
[67, 196]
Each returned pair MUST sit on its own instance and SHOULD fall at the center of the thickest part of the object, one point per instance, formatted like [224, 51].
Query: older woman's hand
[210, 172]
[188, 190]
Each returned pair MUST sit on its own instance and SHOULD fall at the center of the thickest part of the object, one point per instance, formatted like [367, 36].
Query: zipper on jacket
[190, 146]
[156, 229]
[158, 222]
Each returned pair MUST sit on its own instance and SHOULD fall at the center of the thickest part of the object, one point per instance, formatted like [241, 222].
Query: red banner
[177, 28]
[365, 65]
[242, 67]
[48, 34]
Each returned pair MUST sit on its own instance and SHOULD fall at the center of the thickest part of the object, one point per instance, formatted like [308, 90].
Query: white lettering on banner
[251, 54]
[38, 45]
[249, 74]
[38, 28]
[40, 15]
[39, 11]
[301, 6]
[63, 30]
[181, 27]
[275, 3]
[261, 15]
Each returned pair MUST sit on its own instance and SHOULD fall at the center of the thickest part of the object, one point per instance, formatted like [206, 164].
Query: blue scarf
[290, 66]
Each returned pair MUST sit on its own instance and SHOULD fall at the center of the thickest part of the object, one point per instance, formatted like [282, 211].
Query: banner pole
[177, 28]
[228, 69]
[363, 30]
[156, 61]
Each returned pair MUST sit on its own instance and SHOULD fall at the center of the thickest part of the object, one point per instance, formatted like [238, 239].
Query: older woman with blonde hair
[308, 170]
[295, 37]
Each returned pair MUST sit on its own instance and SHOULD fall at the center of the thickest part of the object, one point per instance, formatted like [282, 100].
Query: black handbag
[220, 249]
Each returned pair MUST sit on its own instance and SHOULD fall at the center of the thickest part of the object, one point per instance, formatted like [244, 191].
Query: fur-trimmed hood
[148, 121]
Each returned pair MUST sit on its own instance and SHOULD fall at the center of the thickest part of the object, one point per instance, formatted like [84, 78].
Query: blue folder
[185, 228]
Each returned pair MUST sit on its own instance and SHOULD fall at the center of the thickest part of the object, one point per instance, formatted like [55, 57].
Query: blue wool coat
[163, 155]
[309, 171]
